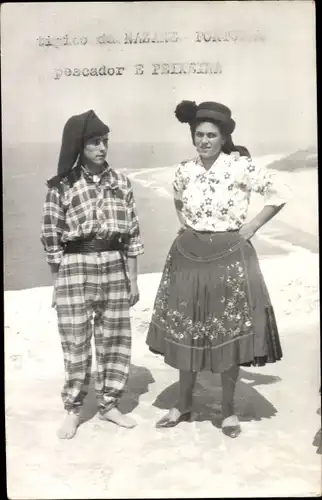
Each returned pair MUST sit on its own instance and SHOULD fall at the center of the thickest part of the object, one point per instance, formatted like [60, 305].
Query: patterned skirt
[212, 309]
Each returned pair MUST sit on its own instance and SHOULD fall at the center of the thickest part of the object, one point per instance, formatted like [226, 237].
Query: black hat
[77, 130]
[189, 112]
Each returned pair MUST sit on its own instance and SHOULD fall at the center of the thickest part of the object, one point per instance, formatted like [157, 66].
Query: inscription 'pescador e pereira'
[193, 68]
[198, 68]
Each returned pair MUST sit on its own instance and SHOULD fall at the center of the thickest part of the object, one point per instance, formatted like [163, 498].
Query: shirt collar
[90, 176]
[222, 160]
[219, 161]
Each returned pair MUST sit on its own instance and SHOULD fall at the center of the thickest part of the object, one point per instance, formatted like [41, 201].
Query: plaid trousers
[87, 286]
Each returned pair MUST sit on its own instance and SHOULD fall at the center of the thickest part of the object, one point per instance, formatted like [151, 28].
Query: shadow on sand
[138, 384]
[249, 403]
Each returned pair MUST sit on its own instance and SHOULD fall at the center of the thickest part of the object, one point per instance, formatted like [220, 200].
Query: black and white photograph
[161, 249]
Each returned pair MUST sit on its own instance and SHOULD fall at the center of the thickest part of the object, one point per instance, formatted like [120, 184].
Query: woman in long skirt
[212, 310]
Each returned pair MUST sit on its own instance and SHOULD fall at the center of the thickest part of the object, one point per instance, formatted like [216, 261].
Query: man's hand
[53, 300]
[54, 271]
[247, 231]
[134, 294]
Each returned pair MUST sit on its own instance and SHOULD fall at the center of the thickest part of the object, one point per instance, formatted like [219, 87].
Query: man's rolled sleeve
[135, 245]
[52, 227]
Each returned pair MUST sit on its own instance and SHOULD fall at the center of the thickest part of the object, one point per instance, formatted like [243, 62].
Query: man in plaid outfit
[91, 238]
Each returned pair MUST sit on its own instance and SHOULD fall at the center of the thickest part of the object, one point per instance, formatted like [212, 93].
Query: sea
[27, 166]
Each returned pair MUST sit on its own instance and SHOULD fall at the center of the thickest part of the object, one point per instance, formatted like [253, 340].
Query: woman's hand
[247, 231]
[134, 294]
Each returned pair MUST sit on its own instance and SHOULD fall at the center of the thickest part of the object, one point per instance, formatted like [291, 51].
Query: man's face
[95, 150]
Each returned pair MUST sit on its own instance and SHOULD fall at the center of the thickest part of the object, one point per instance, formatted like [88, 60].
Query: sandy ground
[277, 404]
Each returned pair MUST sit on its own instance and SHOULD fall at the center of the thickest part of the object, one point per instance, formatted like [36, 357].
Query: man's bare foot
[69, 426]
[114, 415]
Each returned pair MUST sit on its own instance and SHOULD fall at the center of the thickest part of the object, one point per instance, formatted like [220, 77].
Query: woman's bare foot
[231, 427]
[174, 414]
[173, 418]
[114, 415]
[230, 421]
[69, 427]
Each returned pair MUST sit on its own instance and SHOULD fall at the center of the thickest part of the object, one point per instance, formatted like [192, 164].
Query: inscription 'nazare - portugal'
[146, 37]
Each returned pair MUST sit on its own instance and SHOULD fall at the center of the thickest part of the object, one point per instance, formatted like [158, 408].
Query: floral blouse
[217, 199]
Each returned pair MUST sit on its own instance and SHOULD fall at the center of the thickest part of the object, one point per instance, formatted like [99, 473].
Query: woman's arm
[178, 207]
[178, 184]
[261, 181]
[266, 214]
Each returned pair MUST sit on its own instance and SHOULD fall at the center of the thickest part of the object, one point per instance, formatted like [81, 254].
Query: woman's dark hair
[229, 145]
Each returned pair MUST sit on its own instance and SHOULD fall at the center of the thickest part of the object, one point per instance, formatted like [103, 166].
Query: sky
[270, 85]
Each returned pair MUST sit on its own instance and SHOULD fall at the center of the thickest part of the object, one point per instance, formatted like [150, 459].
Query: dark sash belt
[89, 246]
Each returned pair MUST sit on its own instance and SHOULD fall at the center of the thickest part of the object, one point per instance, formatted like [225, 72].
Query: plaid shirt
[100, 206]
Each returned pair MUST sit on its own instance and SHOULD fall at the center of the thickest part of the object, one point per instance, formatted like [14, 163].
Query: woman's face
[208, 140]
[95, 150]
